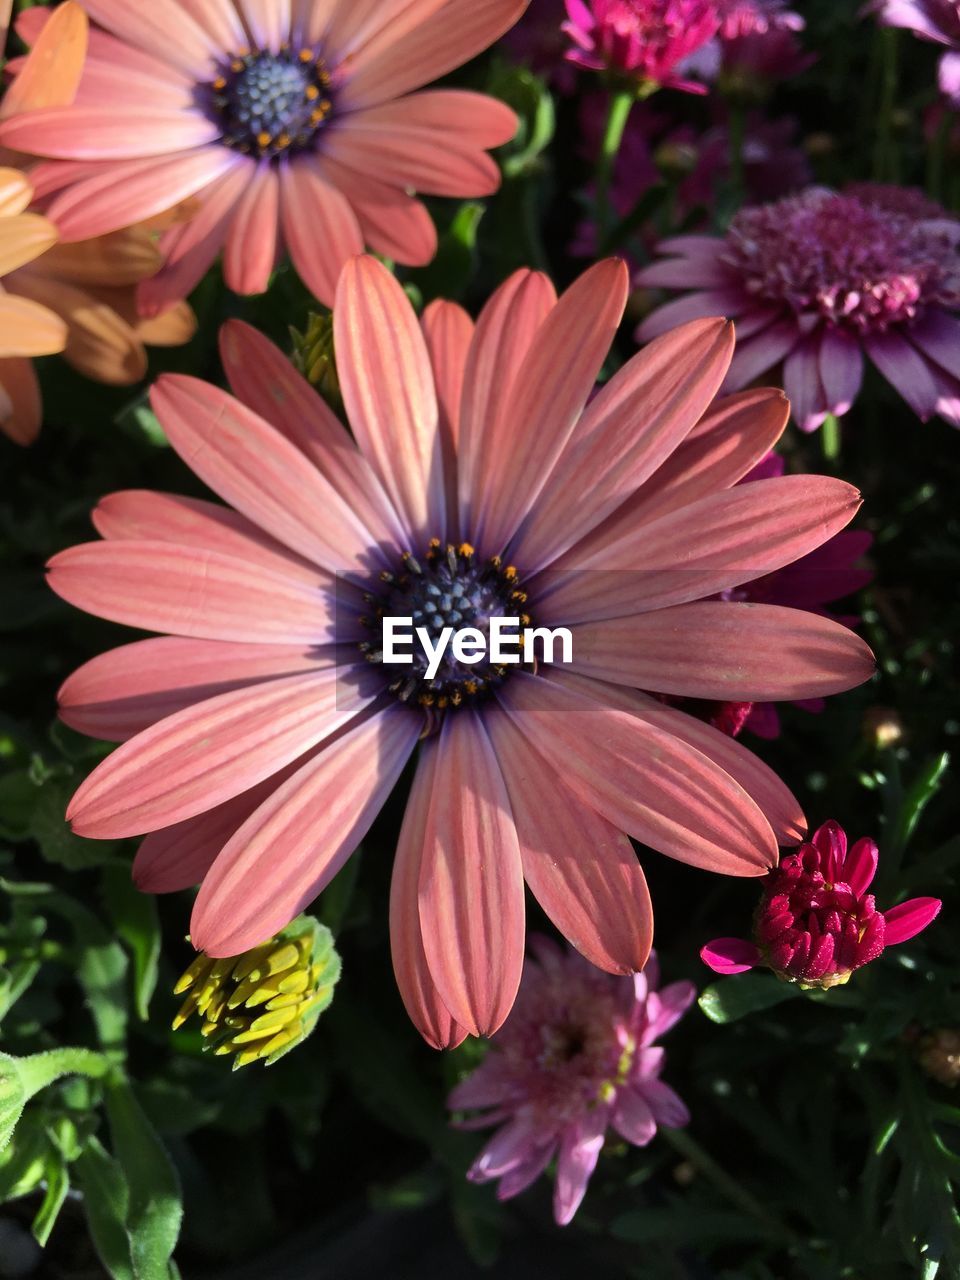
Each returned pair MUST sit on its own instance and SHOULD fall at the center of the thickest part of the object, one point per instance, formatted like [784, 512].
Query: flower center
[447, 590]
[271, 103]
[855, 263]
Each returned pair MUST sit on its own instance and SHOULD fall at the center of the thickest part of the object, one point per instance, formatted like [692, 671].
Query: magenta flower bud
[647, 40]
[816, 923]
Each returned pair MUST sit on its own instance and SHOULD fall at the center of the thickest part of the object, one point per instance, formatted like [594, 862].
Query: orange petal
[51, 73]
[15, 192]
[20, 406]
[24, 237]
[27, 329]
[120, 258]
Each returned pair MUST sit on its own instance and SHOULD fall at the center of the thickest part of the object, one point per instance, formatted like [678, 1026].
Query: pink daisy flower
[262, 735]
[935, 20]
[289, 125]
[814, 281]
[646, 40]
[578, 1055]
[816, 923]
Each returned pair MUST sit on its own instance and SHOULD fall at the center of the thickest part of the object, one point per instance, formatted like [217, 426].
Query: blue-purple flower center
[269, 104]
[449, 587]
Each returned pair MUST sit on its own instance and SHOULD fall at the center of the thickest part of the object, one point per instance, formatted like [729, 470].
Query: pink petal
[142, 515]
[777, 802]
[906, 369]
[265, 380]
[190, 249]
[717, 543]
[801, 382]
[252, 240]
[290, 848]
[552, 385]
[100, 133]
[710, 304]
[119, 693]
[667, 1108]
[664, 1010]
[761, 352]
[162, 28]
[908, 919]
[133, 191]
[632, 426]
[580, 868]
[504, 334]
[471, 881]
[477, 120]
[219, 18]
[423, 159]
[686, 273]
[641, 778]
[208, 753]
[256, 470]
[159, 586]
[632, 1118]
[360, 28]
[417, 990]
[841, 369]
[730, 955]
[454, 34]
[319, 226]
[576, 1161]
[391, 221]
[725, 652]
[448, 332]
[524, 1175]
[728, 440]
[387, 385]
[268, 21]
[860, 866]
[511, 1146]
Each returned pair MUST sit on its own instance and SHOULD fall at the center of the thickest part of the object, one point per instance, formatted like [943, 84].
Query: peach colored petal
[420, 997]
[83, 132]
[726, 652]
[27, 329]
[173, 328]
[290, 848]
[23, 237]
[163, 29]
[319, 226]
[121, 258]
[642, 778]
[205, 754]
[118, 694]
[392, 221]
[51, 73]
[448, 332]
[15, 192]
[581, 868]
[387, 386]
[504, 333]
[252, 246]
[471, 881]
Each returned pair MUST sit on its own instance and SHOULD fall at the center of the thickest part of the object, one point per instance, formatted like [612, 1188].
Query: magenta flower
[576, 1056]
[816, 923]
[262, 735]
[287, 129]
[645, 40]
[816, 280]
[740, 18]
[935, 20]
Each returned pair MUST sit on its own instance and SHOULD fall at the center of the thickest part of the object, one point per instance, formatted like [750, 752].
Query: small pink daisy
[577, 1056]
[816, 923]
[645, 40]
[262, 735]
[814, 281]
[290, 126]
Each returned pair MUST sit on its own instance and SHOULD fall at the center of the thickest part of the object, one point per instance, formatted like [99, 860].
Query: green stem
[618, 113]
[884, 158]
[690, 1149]
[830, 437]
[42, 1069]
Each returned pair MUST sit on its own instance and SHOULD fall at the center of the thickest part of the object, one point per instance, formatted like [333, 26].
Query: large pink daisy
[289, 125]
[262, 736]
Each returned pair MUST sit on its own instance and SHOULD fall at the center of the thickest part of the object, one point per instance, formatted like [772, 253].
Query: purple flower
[647, 40]
[936, 20]
[575, 1056]
[816, 280]
[816, 923]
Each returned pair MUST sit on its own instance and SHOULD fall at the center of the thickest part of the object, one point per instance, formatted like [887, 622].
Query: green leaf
[23, 1078]
[58, 1184]
[919, 796]
[155, 1208]
[58, 844]
[734, 998]
[106, 1202]
[138, 924]
[533, 103]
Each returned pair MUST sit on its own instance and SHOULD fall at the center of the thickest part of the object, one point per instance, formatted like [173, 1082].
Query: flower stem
[830, 437]
[690, 1149]
[618, 113]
